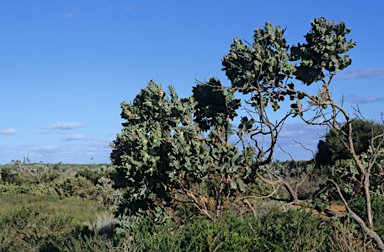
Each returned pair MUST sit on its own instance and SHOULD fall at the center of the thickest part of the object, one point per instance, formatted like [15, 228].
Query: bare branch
[354, 216]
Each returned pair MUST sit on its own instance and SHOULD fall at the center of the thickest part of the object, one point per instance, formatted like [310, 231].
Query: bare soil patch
[332, 208]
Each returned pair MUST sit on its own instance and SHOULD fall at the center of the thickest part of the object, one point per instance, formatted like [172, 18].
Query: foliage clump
[332, 149]
[93, 175]
[75, 187]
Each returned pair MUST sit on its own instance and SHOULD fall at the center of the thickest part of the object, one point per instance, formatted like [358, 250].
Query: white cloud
[37, 148]
[43, 132]
[9, 131]
[76, 137]
[67, 16]
[102, 145]
[73, 137]
[47, 154]
[355, 99]
[63, 132]
[357, 73]
[64, 125]
[54, 154]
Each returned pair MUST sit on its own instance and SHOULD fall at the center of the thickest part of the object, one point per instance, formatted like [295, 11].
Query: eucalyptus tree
[266, 68]
[161, 154]
[163, 161]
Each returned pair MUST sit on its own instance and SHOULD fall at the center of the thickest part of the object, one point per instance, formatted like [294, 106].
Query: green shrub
[160, 154]
[75, 187]
[347, 236]
[198, 234]
[80, 243]
[32, 228]
[64, 187]
[359, 206]
[333, 149]
[230, 234]
[25, 188]
[347, 175]
[93, 176]
[54, 176]
[294, 230]
[12, 176]
[108, 195]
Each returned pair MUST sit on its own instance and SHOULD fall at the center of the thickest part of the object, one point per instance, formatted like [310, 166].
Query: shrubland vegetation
[176, 183]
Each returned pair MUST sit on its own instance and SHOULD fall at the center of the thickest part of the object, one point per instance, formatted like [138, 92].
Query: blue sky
[65, 66]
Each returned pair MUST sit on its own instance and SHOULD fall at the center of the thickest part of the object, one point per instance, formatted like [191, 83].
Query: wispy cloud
[63, 132]
[4, 153]
[9, 131]
[54, 153]
[76, 137]
[67, 16]
[37, 148]
[127, 7]
[64, 125]
[99, 146]
[43, 132]
[357, 99]
[357, 73]
[73, 137]
[47, 153]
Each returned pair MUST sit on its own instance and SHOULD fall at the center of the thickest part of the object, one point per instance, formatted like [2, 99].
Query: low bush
[91, 175]
[42, 228]
[31, 228]
[294, 230]
[11, 176]
[347, 237]
[75, 187]
[359, 206]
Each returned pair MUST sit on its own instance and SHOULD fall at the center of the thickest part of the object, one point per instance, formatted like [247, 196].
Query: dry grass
[348, 239]
[306, 187]
[266, 206]
[104, 224]
[80, 209]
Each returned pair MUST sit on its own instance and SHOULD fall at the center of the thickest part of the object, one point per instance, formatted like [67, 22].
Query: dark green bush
[230, 234]
[9, 175]
[52, 176]
[294, 230]
[31, 189]
[333, 149]
[93, 176]
[75, 187]
[359, 206]
[32, 228]
[79, 244]
[118, 177]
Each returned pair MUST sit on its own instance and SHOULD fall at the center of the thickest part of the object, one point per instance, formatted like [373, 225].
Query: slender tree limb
[361, 223]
